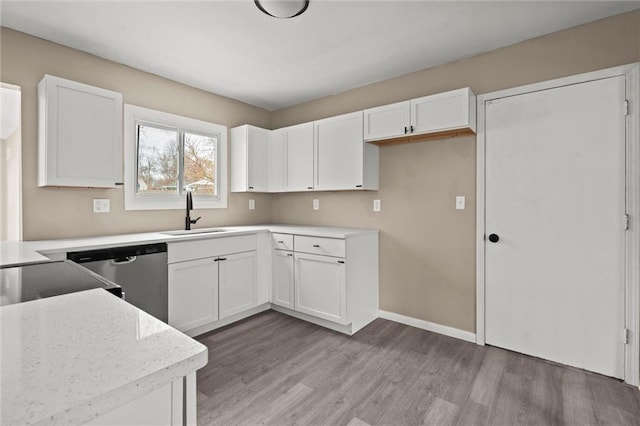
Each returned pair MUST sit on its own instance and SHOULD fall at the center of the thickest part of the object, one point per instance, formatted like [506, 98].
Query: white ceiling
[233, 49]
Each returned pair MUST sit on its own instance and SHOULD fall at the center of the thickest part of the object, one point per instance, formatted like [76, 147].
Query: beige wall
[427, 248]
[68, 212]
[427, 267]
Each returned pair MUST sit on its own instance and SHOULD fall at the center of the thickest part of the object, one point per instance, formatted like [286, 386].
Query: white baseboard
[429, 326]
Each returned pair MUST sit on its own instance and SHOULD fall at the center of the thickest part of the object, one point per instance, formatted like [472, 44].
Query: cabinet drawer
[320, 245]
[282, 241]
[181, 251]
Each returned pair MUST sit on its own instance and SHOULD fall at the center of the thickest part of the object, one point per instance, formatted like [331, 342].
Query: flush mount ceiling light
[283, 8]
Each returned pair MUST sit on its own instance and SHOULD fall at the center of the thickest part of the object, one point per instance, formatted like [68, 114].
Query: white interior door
[555, 197]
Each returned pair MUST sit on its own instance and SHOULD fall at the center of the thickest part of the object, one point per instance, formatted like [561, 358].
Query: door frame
[631, 72]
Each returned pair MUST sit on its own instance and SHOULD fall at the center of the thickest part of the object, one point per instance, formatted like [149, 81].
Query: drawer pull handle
[340, 261]
[289, 254]
[280, 242]
[317, 245]
[221, 259]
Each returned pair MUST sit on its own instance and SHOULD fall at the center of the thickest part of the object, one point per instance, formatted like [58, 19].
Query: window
[167, 155]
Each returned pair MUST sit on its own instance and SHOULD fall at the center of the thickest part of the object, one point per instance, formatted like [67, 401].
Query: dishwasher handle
[123, 260]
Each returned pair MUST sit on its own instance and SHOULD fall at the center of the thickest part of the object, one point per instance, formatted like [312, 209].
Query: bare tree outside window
[199, 163]
[159, 161]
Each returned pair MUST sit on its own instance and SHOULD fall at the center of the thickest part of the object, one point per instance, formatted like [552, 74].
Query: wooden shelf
[423, 137]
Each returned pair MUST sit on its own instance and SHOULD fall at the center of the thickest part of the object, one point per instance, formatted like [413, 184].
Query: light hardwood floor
[277, 370]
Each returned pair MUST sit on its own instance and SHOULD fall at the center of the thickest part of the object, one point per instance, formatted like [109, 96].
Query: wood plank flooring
[276, 370]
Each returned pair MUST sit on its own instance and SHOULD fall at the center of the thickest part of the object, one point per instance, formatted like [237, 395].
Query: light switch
[376, 205]
[252, 204]
[316, 204]
[460, 202]
[101, 205]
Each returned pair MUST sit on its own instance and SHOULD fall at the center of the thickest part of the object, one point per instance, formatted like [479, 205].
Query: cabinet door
[193, 293]
[387, 121]
[320, 287]
[238, 283]
[249, 159]
[339, 152]
[298, 149]
[79, 134]
[449, 110]
[276, 161]
[258, 161]
[154, 408]
[282, 288]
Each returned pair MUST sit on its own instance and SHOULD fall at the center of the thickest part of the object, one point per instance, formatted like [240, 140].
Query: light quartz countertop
[25, 252]
[70, 358]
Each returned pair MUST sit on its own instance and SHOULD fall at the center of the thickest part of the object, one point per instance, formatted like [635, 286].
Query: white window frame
[133, 115]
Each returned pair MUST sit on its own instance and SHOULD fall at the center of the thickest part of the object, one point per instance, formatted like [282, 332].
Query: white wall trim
[429, 326]
[632, 284]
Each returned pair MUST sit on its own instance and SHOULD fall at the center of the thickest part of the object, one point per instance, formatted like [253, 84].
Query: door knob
[494, 238]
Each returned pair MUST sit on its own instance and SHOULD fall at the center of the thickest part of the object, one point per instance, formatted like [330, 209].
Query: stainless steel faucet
[187, 220]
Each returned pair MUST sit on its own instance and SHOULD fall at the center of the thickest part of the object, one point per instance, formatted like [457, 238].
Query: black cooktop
[37, 281]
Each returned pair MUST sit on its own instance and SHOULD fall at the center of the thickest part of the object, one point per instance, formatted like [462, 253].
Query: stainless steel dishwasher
[140, 270]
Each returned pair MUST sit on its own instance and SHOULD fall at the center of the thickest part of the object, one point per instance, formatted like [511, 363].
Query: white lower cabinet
[237, 283]
[193, 293]
[320, 287]
[329, 281]
[209, 292]
[282, 290]
[170, 405]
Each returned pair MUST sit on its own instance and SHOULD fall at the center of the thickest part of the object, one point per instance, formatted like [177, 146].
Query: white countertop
[70, 358]
[24, 252]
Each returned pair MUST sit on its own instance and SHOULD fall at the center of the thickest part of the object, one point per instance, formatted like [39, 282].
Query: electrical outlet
[101, 205]
[460, 202]
[376, 205]
[252, 204]
[316, 204]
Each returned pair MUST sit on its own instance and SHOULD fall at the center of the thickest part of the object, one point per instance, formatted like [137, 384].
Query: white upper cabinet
[298, 157]
[79, 134]
[340, 160]
[448, 112]
[387, 121]
[249, 159]
[276, 161]
[444, 111]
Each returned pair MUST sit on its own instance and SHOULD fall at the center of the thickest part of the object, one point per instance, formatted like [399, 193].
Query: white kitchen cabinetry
[332, 282]
[282, 286]
[320, 287]
[342, 159]
[237, 283]
[249, 159]
[298, 157]
[79, 134]
[213, 282]
[442, 114]
[282, 291]
[156, 408]
[276, 161]
[193, 293]
[387, 121]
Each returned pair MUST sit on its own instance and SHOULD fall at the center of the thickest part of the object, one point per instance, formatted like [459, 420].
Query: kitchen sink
[195, 231]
